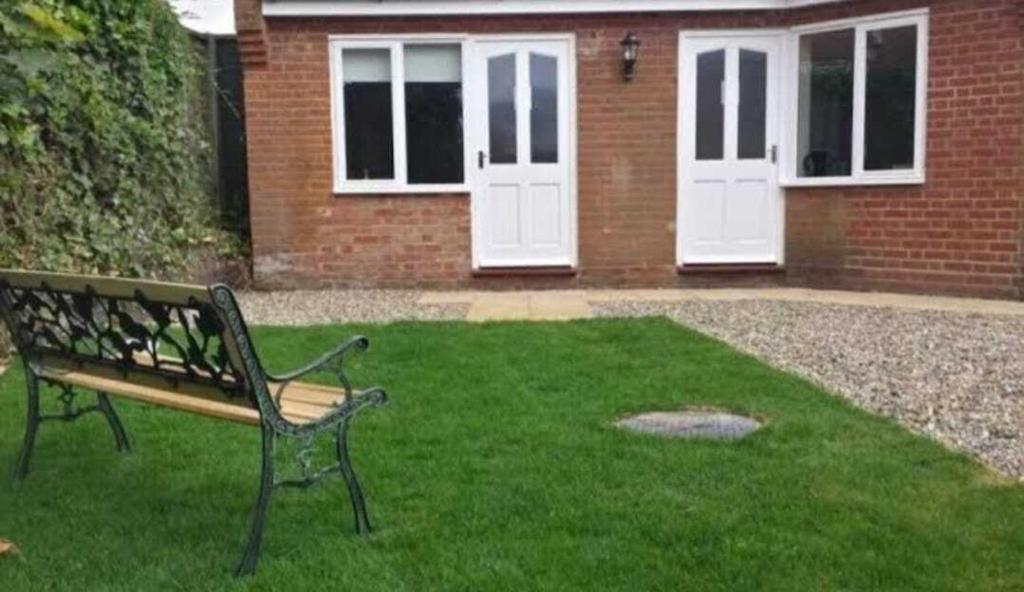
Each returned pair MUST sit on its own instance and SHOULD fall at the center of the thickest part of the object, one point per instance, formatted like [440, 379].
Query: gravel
[955, 377]
[312, 307]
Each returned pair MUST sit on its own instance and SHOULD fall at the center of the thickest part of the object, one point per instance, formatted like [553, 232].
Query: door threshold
[542, 271]
[695, 268]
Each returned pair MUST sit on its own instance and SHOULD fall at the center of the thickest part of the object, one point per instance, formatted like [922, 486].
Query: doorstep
[720, 268]
[552, 271]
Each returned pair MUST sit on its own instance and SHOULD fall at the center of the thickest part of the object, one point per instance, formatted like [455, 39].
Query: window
[710, 124]
[859, 101]
[398, 115]
[369, 136]
[826, 104]
[751, 133]
[889, 102]
[544, 111]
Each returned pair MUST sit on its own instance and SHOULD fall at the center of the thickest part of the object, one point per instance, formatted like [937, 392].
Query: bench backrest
[182, 333]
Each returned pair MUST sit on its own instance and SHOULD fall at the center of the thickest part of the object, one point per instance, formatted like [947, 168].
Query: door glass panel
[544, 112]
[891, 98]
[710, 134]
[751, 124]
[369, 146]
[501, 108]
[826, 104]
[433, 113]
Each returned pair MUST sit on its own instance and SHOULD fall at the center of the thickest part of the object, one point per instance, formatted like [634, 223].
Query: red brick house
[866, 144]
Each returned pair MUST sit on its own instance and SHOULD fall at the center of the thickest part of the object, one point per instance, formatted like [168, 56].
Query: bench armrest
[371, 397]
[332, 360]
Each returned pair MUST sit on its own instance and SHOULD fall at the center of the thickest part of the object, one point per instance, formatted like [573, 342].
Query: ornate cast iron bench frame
[183, 347]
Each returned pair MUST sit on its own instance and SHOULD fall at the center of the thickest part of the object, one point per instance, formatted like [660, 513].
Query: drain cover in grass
[709, 425]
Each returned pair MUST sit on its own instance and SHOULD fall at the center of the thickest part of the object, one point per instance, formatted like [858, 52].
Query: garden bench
[182, 347]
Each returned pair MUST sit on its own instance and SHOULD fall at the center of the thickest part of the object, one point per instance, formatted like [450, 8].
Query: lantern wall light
[630, 47]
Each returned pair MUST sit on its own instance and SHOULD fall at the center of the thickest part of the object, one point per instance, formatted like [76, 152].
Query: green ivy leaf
[47, 22]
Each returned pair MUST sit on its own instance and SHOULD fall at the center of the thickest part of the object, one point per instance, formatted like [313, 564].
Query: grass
[496, 467]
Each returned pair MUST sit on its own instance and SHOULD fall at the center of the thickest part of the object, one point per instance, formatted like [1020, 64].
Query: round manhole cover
[709, 425]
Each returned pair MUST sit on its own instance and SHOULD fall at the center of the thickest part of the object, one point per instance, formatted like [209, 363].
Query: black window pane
[501, 108]
[753, 100]
[433, 113]
[544, 114]
[826, 104]
[891, 98]
[710, 134]
[369, 145]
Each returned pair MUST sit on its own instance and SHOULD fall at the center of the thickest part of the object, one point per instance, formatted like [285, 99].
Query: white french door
[521, 102]
[729, 202]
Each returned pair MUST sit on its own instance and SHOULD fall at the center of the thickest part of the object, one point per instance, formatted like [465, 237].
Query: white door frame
[682, 93]
[477, 118]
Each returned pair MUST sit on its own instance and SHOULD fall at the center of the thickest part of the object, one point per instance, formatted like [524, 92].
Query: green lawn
[496, 467]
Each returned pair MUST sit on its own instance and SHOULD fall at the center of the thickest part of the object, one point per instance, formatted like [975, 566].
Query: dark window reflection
[369, 145]
[501, 87]
[753, 100]
[826, 104]
[433, 113]
[544, 116]
[890, 102]
[710, 134]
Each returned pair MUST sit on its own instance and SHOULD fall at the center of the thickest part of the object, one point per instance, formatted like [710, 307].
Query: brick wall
[959, 233]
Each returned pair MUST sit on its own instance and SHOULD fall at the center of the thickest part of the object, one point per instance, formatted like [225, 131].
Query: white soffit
[482, 7]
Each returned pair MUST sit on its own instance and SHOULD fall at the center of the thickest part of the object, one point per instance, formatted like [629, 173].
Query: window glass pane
[433, 113]
[826, 104]
[501, 108]
[890, 101]
[369, 149]
[544, 114]
[751, 123]
[710, 134]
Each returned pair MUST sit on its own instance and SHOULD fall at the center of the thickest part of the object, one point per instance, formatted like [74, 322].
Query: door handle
[774, 153]
[480, 157]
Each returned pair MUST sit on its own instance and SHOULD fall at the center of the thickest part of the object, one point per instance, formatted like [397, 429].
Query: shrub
[103, 162]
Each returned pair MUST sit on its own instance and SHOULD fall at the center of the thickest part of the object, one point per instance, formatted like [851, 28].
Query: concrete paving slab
[575, 304]
[559, 306]
[465, 297]
[499, 306]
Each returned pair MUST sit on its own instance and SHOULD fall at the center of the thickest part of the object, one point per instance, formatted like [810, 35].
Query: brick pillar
[252, 32]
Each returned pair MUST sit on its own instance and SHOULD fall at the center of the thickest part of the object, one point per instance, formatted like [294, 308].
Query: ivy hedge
[104, 163]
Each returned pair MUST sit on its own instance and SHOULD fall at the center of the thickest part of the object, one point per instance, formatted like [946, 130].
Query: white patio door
[523, 196]
[729, 202]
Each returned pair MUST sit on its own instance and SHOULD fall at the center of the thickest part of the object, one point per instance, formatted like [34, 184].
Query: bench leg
[31, 427]
[123, 445]
[355, 491]
[252, 548]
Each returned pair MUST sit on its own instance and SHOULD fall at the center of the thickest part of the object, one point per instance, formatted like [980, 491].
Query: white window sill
[384, 188]
[850, 181]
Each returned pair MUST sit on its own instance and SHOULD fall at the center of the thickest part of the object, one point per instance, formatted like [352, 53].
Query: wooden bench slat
[314, 394]
[301, 412]
[164, 397]
[300, 402]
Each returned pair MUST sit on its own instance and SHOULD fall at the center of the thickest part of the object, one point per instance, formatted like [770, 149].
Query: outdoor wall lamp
[630, 46]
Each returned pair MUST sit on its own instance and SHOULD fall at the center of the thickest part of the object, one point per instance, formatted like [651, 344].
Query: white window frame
[788, 176]
[395, 43]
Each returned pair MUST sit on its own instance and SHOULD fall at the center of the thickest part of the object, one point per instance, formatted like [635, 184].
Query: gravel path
[313, 307]
[956, 377]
